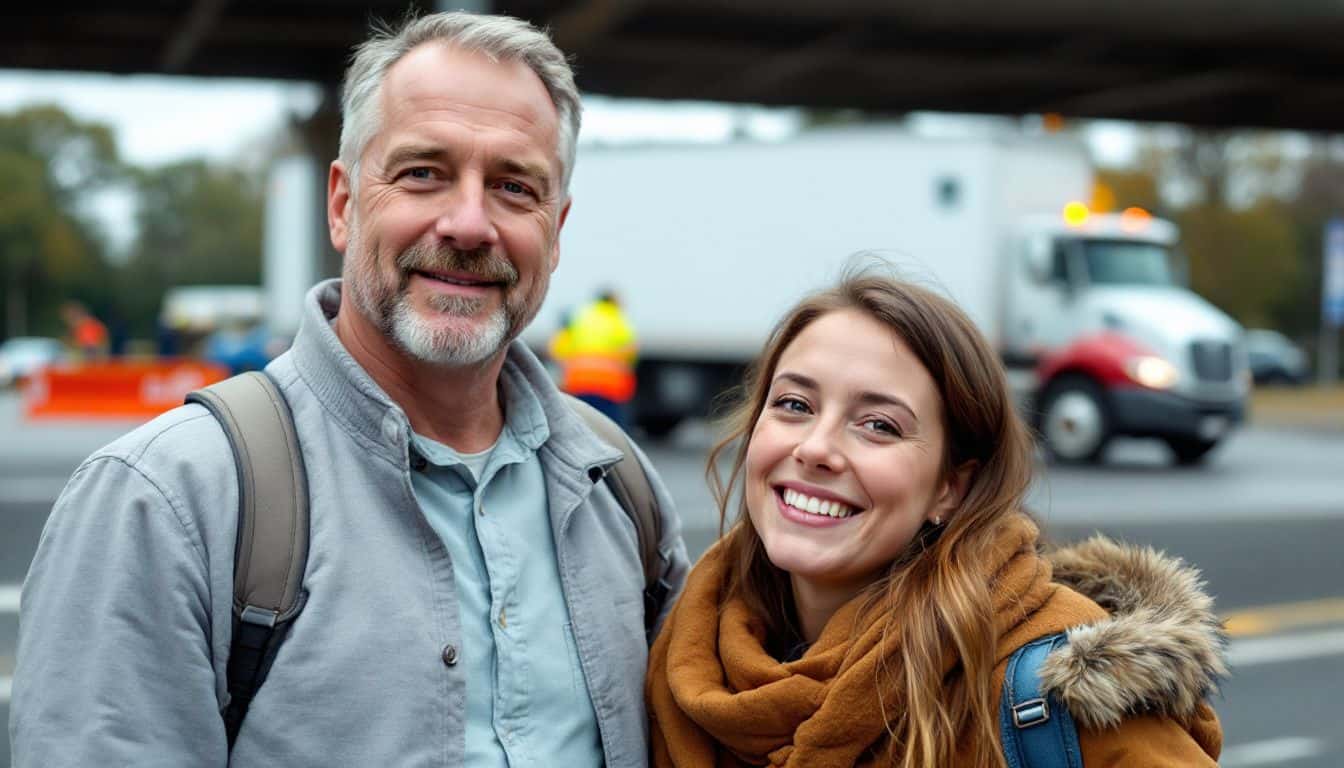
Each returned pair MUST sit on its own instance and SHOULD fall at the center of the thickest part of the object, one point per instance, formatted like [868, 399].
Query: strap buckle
[1031, 712]
[259, 616]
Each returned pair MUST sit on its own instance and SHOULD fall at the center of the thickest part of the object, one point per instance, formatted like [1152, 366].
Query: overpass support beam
[296, 248]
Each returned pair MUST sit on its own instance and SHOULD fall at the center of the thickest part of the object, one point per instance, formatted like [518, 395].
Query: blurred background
[1141, 203]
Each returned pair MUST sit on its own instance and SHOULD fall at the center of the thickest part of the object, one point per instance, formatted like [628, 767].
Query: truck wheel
[1074, 421]
[1190, 450]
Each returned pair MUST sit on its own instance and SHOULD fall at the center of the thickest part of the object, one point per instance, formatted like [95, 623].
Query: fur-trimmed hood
[1160, 651]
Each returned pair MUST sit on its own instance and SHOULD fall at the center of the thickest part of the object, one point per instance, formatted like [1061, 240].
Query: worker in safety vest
[596, 351]
[87, 333]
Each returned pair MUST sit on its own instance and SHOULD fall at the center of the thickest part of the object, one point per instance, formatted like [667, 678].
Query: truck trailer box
[707, 245]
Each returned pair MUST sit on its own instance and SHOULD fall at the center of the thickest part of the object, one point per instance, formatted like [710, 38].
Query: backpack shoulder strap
[272, 544]
[633, 491]
[1036, 730]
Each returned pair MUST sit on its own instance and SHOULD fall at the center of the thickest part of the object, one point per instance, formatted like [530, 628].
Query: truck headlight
[1152, 372]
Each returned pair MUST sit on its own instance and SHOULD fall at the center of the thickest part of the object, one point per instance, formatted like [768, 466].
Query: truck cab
[1119, 345]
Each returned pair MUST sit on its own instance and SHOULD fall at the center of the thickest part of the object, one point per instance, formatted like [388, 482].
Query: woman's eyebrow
[867, 397]
[806, 382]
[881, 398]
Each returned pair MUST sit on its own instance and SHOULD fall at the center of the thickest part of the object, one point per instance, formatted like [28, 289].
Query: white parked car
[21, 356]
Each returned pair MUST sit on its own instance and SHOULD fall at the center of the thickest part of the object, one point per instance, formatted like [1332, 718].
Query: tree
[1235, 197]
[49, 252]
[1132, 188]
[1244, 261]
[198, 224]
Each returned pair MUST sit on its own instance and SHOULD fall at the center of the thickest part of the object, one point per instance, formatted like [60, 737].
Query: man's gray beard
[449, 346]
[394, 316]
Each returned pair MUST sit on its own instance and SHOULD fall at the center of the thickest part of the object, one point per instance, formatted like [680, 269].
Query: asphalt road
[1264, 520]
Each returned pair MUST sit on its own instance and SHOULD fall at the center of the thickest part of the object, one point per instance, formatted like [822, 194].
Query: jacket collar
[1162, 649]
[535, 409]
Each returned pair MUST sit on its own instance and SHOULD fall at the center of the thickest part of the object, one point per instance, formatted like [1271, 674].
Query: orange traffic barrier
[115, 389]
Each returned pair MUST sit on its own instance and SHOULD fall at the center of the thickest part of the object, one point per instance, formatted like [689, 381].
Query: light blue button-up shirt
[527, 703]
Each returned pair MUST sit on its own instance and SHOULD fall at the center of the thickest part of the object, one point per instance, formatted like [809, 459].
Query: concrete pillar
[320, 137]
[297, 250]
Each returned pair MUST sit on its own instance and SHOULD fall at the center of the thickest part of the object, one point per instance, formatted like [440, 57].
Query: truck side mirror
[1180, 268]
[1038, 258]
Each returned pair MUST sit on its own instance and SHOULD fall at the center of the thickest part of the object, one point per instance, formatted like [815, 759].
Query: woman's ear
[955, 485]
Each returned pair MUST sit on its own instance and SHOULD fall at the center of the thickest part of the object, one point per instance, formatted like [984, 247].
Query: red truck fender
[1101, 357]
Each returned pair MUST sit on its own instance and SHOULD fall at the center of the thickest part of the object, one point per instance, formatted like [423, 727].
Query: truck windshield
[1128, 262]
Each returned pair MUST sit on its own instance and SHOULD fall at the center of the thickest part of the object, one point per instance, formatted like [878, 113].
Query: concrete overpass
[1215, 63]
[1227, 63]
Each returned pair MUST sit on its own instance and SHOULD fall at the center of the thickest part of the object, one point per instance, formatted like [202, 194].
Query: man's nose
[465, 221]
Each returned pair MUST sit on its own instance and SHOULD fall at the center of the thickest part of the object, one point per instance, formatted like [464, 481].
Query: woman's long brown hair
[937, 601]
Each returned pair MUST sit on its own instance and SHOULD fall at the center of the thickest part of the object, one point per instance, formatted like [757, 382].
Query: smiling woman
[881, 572]
[845, 462]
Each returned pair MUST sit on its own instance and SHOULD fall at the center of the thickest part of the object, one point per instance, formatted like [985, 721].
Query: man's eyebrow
[413, 153]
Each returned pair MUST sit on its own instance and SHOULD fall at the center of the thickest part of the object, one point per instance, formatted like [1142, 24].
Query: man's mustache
[485, 264]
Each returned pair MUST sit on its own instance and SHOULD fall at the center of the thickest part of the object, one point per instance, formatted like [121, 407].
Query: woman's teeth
[812, 505]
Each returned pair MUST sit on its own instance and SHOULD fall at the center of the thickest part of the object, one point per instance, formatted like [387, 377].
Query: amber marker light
[1133, 219]
[1075, 213]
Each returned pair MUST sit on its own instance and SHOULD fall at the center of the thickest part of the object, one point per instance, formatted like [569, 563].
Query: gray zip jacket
[125, 619]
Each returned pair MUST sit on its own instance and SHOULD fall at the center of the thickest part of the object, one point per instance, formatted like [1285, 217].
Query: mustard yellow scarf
[718, 698]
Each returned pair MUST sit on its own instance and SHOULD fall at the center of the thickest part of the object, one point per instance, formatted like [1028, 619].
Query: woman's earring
[937, 521]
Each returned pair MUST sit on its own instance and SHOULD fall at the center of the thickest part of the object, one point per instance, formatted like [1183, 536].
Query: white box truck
[707, 246]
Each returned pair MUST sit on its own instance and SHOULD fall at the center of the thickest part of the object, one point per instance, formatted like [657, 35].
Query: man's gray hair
[501, 38]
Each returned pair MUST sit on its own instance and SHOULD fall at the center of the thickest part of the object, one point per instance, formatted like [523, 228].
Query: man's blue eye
[514, 188]
[419, 173]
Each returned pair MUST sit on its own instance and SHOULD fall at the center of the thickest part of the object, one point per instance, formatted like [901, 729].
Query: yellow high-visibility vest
[597, 352]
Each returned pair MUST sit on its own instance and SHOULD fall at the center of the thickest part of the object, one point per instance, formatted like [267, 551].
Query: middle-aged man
[473, 588]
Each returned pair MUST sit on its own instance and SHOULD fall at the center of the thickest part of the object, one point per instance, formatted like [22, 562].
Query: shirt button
[418, 462]
[449, 655]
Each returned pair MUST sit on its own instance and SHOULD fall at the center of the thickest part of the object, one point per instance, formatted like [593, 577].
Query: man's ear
[559, 226]
[339, 213]
[955, 485]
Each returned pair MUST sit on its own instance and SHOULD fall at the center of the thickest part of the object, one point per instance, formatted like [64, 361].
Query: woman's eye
[791, 405]
[882, 426]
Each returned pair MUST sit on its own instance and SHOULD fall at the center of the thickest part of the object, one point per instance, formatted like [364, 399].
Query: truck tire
[1190, 451]
[1075, 421]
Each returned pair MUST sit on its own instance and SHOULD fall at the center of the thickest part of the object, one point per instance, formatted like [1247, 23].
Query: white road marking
[1271, 752]
[9, 598]
[6, 687]
[1250, 651]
